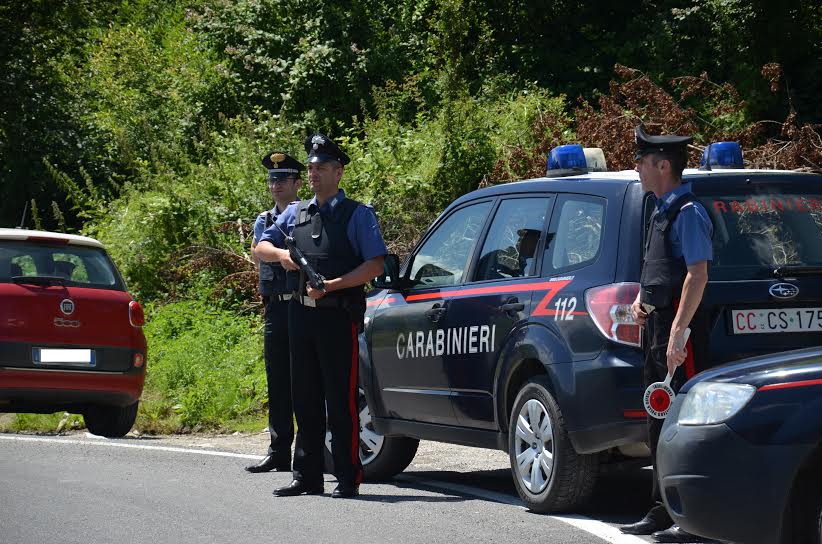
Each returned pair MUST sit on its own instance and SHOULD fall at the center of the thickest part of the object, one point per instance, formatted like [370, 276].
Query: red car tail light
[138, 360]
[135, 314]
[610, 308]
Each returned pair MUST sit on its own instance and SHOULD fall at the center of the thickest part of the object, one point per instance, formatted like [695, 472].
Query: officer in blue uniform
[276, 286]
[678, 249]
[341, 239]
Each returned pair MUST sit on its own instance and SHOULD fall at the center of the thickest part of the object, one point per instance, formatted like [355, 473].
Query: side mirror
[390, 277]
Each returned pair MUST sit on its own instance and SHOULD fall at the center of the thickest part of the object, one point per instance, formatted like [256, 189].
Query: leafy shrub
[205, 365]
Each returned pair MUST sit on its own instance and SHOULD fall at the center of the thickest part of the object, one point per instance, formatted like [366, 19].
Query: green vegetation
[142, 122]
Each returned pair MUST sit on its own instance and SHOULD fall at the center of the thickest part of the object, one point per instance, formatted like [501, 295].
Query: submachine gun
[315, 280]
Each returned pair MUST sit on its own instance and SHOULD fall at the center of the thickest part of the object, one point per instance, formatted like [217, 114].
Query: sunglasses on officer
[281, 181]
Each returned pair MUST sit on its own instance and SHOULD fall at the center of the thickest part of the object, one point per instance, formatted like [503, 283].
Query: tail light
[610, 308]
[135, 314]
[138, 360]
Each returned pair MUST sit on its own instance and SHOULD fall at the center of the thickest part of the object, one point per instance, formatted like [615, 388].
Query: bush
[205, 366]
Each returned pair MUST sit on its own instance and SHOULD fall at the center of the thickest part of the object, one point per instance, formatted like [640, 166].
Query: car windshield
[80, 266]
[762, 227]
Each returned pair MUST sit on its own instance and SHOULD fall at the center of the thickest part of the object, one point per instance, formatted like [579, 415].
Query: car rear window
[75, 265]
[764, 226]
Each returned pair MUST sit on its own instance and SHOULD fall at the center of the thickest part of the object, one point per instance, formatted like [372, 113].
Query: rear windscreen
[75, 265]
[761, 227]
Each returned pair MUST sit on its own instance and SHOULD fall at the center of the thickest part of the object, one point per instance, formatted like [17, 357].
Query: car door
[484, 312]
[408, 339]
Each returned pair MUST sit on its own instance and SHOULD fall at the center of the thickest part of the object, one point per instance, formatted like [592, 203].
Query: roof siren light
[566, 160]
[722, 154]
[567, 156]
[595, 159]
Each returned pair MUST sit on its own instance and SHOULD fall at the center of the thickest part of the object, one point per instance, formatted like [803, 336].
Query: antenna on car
[23, 219]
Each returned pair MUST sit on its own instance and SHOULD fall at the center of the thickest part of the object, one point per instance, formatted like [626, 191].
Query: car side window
[443, 257]
[577, 229]
[510, 248]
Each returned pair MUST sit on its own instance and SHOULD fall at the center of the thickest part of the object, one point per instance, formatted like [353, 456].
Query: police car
[71, 336]
[509, 325]
[740, 455]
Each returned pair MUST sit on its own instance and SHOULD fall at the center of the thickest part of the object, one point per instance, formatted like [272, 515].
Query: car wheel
[110, 421]
[550, 476]
[382, 457]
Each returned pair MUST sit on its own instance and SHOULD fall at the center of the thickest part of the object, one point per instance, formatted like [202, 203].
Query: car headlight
[709, 403]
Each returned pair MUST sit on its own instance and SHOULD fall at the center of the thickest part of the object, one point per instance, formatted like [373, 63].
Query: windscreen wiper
[40, 280]
[797, 270]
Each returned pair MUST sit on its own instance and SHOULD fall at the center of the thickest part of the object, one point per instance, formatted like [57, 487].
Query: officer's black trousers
[657, 334]
[278, 375]
[325, 360]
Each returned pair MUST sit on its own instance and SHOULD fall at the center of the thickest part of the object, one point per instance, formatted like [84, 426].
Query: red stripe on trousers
[690, 367]
[352, 402]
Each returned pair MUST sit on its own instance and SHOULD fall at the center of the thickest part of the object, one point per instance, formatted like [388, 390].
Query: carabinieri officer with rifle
[343, 249]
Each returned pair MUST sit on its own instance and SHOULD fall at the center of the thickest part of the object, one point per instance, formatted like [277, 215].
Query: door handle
[512, 305]
[436, 312]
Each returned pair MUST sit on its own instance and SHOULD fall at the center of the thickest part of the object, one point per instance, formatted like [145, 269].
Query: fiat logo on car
[783, 290]
[67, 307]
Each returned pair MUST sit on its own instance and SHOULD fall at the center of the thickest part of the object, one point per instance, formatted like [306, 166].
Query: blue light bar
[565, 157]
[725, 154]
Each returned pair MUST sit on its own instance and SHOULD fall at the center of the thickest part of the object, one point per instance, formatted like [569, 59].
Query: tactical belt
[325, 302]
[278, 298]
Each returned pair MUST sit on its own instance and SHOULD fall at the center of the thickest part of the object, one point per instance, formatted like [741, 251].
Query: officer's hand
[315, 293]
[287, 263]
[676, 351]
[638, 313]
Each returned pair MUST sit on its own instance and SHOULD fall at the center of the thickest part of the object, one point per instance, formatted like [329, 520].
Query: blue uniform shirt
[363, 230]
[259, 224]
[691, 232]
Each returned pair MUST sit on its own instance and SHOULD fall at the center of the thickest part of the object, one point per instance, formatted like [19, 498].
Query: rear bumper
[601, 400]
[46, 390]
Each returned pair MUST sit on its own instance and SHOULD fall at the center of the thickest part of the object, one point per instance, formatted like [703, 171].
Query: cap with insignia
[659, 144]
[281, 165]
[321, 148]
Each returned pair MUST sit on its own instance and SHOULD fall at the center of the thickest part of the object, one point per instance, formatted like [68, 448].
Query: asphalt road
[86, 490]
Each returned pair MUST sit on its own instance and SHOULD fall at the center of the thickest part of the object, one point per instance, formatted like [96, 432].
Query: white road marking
[599, 529]
[111, 444]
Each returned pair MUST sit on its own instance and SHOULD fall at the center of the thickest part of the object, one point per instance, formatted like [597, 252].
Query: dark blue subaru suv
[508, 326]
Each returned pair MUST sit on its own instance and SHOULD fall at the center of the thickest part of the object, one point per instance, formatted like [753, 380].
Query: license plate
[775, 320]
[63, 357]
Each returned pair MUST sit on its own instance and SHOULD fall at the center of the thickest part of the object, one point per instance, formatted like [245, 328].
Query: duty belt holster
[354, 307]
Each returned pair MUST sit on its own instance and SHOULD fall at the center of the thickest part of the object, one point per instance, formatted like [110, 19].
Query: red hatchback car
[71, 335]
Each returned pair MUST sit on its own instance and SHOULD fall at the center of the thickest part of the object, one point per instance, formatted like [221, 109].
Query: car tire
[110, 421]
[382, 457]
[550, 476]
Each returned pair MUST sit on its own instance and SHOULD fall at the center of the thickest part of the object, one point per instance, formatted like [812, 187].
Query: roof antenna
[707, 159]
[23, 219]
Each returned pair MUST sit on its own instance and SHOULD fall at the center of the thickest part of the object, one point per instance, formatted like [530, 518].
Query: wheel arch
[529, 351]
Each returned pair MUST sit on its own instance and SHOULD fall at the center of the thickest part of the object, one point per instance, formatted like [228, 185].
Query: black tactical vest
[322, 237]
[274, 280]
[663, 275]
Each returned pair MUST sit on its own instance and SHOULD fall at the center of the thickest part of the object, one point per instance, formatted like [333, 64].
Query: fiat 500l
[71, 335]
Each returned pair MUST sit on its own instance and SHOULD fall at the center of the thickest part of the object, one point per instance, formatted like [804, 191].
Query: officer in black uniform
[276, 286]
[341, 239]
[678, 249]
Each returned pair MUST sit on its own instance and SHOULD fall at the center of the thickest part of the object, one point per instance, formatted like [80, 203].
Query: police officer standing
[283, 182]
[674, 275]
[341, 239]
